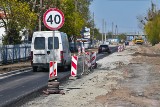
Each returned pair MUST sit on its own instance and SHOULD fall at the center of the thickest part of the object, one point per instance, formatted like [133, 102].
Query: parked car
[107, 42]
[126, 42]
[42, 49]
[104, 48]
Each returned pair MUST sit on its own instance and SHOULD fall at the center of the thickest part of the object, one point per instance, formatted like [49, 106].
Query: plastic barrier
[79, 50]
[87, 59]
[53, 69]
[119, 48]
[93, 59]
[74, 66]
[83, 50]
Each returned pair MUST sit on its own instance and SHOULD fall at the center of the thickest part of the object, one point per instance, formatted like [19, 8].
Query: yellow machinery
[138, 40]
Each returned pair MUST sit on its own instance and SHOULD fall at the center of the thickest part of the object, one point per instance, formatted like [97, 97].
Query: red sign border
[45, 14]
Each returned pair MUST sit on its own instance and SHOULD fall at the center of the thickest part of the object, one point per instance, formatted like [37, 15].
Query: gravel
[83, 92]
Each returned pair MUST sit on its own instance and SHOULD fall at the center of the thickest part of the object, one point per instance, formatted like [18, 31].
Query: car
[126, 42]
[107, 42]
[104, 48]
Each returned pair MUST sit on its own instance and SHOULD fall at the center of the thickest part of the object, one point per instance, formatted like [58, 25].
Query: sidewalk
[15, 66]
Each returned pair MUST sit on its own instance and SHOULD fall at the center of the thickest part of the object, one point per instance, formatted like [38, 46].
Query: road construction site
[129, 79]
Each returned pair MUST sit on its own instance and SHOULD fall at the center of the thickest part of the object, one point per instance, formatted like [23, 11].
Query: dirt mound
[156, 48]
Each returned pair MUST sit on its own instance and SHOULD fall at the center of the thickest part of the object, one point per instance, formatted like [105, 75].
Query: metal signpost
[53, 19]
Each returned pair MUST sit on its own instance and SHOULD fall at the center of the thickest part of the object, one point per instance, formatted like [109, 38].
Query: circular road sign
[53, 19]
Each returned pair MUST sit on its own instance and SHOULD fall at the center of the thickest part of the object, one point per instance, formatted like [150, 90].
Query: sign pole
[53, 19]
[54, 77]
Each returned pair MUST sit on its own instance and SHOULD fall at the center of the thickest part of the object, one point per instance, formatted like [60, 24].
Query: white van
[42, 49]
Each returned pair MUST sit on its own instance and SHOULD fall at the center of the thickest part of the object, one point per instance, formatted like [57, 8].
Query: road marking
[12, 73]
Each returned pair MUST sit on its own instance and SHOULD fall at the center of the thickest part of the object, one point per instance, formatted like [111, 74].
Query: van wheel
[34, 68]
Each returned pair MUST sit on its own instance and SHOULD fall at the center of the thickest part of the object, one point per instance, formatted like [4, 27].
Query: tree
[97, 34]
[151, 24]
[152, 30]
[18, 16]
[77, 14]
[122, 37]
[109, 35]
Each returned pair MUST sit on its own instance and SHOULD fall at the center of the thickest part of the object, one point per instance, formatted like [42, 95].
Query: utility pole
[105, 31]
[74, 36]
[40, 16]
[116, 31]
[93, 30]
[102, 29]
[112, 29]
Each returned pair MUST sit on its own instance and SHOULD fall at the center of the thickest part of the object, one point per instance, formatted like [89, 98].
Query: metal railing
[14, 53]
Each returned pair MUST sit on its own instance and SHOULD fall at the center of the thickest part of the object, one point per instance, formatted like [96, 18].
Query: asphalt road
[14, 89]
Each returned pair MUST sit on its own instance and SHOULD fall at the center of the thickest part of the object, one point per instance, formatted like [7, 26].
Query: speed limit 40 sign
[53, 19]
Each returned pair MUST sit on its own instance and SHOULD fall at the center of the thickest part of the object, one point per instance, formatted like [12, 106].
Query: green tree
[18, 16]
[152, 30]
[77, 14]
[122, 37]
[109, 35]
[97, 34]
[151, 24]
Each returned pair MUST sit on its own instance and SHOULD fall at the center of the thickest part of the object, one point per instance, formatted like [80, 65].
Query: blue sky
[122, 13]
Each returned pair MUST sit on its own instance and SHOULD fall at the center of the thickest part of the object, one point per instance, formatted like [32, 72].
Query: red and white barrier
[79, 50]
[74, 66]
[131, 43]
[83, 50]
[93, 59]
[119, 48]
[52, 69]
[87, 59]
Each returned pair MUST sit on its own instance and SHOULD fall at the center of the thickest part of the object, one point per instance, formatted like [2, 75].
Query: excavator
[138, 40]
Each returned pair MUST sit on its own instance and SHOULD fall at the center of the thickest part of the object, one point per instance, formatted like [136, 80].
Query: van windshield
[39, 43]
[50, 43]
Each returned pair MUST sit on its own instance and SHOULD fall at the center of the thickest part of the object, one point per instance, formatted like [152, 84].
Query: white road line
[12, 74]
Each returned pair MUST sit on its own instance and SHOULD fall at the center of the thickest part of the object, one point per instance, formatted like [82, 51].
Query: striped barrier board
[79, 50]
[83, 50]
[88, 59]
[74, 66]
[119, 48]
[52, 69]
[93, 58]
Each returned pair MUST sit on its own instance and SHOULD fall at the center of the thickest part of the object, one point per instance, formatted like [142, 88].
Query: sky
[122, 13]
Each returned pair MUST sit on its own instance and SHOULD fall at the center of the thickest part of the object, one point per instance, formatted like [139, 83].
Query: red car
[104, 48]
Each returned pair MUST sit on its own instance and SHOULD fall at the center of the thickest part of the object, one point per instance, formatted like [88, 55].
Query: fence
[14, 53]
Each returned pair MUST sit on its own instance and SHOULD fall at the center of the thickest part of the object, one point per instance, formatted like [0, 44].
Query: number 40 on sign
[53, 19]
